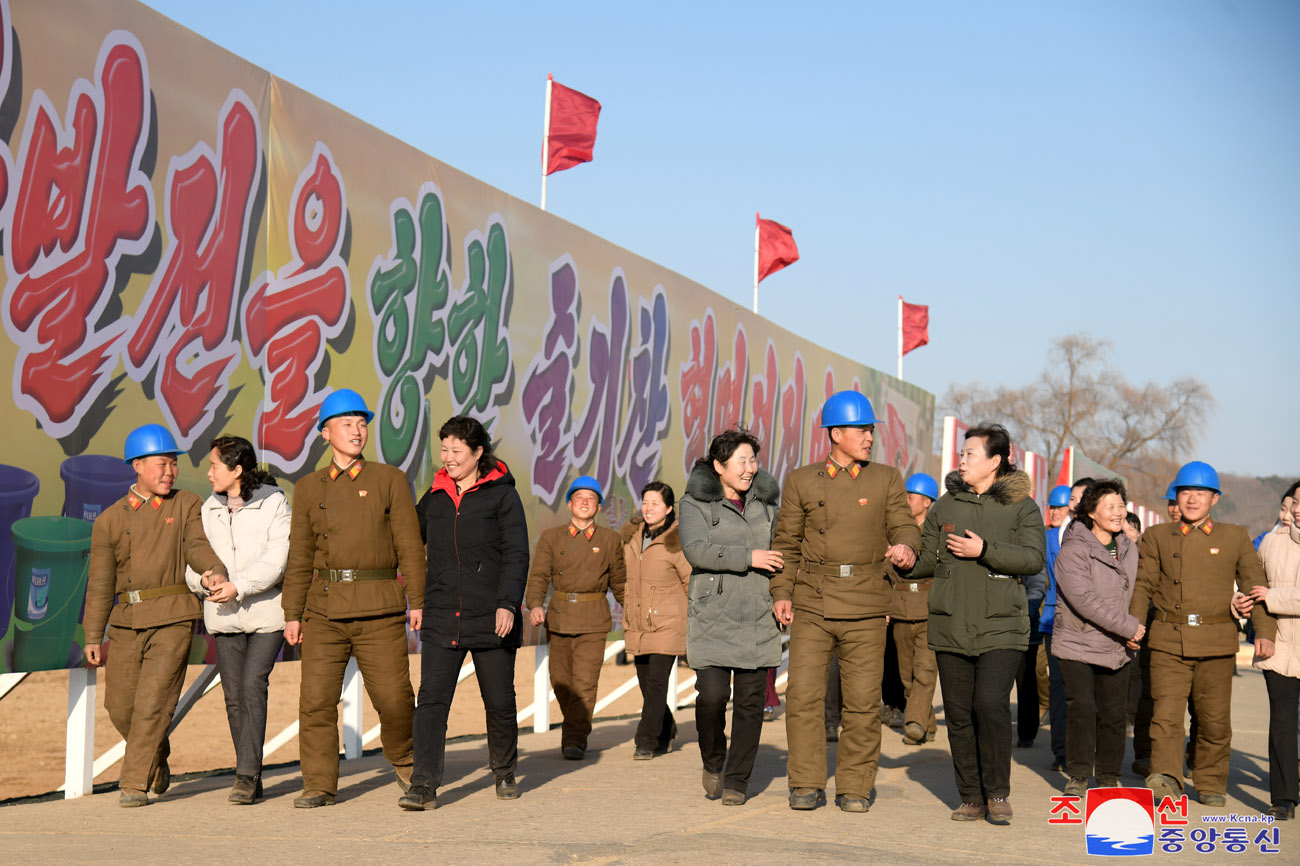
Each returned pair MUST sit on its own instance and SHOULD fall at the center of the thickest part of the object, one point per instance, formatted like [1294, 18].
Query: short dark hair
[1290, 491]
[724, 445]
[1134, 521]
[997, 443]
[472, 433]
[666, 494]
[1092, 496]
[238, 453]
[1081, 482]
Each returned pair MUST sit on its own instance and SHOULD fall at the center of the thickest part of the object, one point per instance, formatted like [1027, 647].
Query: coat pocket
[941, 600]
[1004, 596]
[704, 588]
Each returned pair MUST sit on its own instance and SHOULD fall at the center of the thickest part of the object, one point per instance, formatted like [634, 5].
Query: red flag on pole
[570, 129]
[776, 248]
[915, 325]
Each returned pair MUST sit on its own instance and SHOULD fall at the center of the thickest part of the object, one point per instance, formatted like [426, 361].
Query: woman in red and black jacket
[473, 523]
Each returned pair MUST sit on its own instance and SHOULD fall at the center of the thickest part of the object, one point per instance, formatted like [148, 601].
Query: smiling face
[977, 468]
[347, 436]
[155, 474]
[737, 474]
[850, 444]
[1194, 503]
[1056, 514]
[919, 504]
[653, 509]
[583, 505]
[460, 461]
[1076, 493]
[222, 478]
[1109, 514]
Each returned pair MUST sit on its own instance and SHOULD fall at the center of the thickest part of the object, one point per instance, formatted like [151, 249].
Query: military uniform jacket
[361, 518]
[1195, 572]
[573, 563]
[831, 517]
[140, 544]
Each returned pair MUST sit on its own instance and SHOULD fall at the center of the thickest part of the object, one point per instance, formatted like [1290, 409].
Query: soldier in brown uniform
[139, 549]
[1188, 570]
[841, 524]
[353, 531]
[910, 616]
[582, 561]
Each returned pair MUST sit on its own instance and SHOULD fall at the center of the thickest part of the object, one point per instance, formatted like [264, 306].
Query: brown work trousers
[145, 672]
[918, 670]
[1208, 681]
[575, 661]
[860, 644]
[380, 647]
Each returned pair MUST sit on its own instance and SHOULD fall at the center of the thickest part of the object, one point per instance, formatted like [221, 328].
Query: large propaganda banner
[191, 241]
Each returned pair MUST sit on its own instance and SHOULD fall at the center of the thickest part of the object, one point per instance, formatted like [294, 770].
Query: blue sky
[1028, 169]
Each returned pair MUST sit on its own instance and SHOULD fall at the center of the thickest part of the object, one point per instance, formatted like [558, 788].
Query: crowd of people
[858, 564]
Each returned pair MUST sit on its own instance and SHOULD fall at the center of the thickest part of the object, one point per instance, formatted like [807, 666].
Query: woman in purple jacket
[1095, 636]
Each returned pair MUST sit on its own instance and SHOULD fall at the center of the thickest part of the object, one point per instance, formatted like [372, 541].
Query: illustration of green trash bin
[51, 565]
[18, 489]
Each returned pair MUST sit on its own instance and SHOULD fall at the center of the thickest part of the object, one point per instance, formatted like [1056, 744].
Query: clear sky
[1129, 168]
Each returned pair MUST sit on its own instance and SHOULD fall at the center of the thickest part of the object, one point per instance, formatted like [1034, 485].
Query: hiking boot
[913, 733]
[417, 799]
[969, 812]
[1281, 810]
[1214, 801]
[640, 753]
[1076, 787]
[161, 778]
[132, 799]
[507, 789]
[712, 785]
[1163, 786]
[999, 811]
[573, 753]
[313, 800]
[852, 804]
[732, 797]
[804, 799]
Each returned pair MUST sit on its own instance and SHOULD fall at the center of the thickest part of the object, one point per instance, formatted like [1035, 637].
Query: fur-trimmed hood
[704, 485]
[633, 528]
[1007, 490]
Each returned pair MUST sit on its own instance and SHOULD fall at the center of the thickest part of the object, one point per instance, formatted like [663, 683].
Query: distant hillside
[1252, 502]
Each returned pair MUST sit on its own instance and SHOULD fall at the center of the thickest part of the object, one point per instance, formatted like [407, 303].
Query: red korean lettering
[729, 396]
[766, 393]
[548, 384]
[696, 382]
[184, 331]
[1171, 810]
[794, 398]
[1065, 810]
[288, 318]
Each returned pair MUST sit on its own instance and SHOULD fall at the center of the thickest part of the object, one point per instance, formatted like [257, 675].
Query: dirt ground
[33, 730]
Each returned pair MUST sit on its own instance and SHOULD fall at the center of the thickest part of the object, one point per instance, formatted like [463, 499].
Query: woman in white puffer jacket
[247, 522]
[1280, 552]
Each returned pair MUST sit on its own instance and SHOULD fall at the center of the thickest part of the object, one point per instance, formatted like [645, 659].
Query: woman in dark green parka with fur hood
[978, 542]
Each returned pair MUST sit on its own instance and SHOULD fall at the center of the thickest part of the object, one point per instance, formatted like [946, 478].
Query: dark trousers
[244, 661]
[439, 668]
[715, 685]
[1027, 695]
[1055, 700]
[977, 702]
[834, 699]
[893, 691]
[1283, 695]
[1096, 699]
[657, 727]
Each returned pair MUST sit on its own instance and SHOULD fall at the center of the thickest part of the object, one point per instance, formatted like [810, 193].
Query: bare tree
[1079, 401]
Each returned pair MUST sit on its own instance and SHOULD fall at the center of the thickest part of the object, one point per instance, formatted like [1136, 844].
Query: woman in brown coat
[654, 614]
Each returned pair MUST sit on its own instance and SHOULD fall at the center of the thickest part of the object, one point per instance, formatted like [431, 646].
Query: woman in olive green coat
[978, 541]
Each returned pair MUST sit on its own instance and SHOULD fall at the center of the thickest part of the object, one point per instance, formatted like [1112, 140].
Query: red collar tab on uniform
[832, 469]
[135, 501]
[588, 532]
[1207, 527]
[352, 471]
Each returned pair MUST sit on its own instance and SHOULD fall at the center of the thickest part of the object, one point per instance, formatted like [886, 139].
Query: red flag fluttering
[776, 248]
[916, 326]
[571, 131]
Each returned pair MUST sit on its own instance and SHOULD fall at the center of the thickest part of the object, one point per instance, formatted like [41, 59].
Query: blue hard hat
[923, 484]
[847, 409]
[1171, 494]
[1059, 497]
[149, 440]
[344, 401]
[585, 482]
[1197, 474]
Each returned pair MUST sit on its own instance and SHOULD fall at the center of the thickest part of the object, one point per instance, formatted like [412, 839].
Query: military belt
[579, 596]
[135, 596]
[846, 570]
[348, 575]
[1193, 619]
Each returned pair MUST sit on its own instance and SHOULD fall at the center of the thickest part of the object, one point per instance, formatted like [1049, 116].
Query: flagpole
[546, 138]
[900, 338]
[756, 219]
